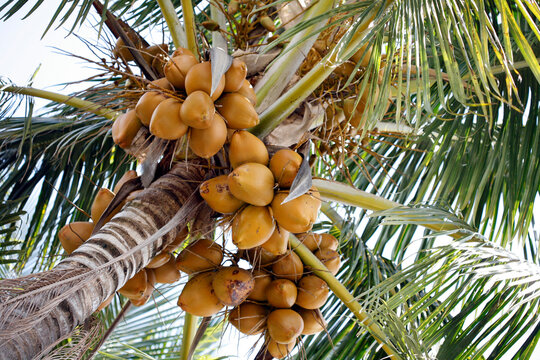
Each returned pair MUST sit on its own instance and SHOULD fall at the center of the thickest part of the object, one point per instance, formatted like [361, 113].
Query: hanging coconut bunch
[183, 104]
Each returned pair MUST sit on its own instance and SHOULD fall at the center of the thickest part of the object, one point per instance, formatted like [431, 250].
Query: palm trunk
[37, 311]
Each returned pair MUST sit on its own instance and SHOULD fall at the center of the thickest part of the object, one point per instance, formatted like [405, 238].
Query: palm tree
[431, 190]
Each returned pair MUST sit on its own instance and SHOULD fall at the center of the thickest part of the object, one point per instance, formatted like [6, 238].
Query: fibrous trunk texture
[37, 311]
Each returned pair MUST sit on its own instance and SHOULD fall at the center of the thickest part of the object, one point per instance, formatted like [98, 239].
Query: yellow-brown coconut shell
[313, 321]
[166, 122]
[177, 68]
[247, 90]
[310, 240]
[167, 273]
[159, 260]
[125, 128]
[289, 267]
[281, 293]
[136, 286]
[278, 243]
[147, 104]
[128, 175]
[252, 227]
[252, 183]
[207, 142]
[198, 110]
[297, 215]
[199, 78]
[262, 280]
[329, 241]
[74, 234]
[201, 255]
[284, 325]
[279, 351]
[330, 258]
[198, 297]
[232, 285]
[235, 76]
[259, 257]
[312, 292]
[246, 148]
[237, 110]
[284, 165]
[249, 318]
[217, 195]
[101, 202]
[160, 84]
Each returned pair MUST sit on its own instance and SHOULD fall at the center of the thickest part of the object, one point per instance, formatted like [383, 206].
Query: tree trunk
[38, 310]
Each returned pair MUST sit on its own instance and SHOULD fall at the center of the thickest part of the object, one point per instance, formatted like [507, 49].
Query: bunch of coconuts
[182, 103]
[161, 268]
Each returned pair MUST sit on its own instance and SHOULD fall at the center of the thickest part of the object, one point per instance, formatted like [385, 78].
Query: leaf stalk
[173, 23]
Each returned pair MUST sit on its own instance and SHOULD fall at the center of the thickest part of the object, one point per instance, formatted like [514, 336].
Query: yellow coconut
[199, 78]
[177, 68]
[279, 351]
[237, 110]
[278, 243]
[246, 148]
[284, 325]
[136, 286]
[232, 285]
[310, 240]
[178, 240]
[182, 51]
[201, 255]
[150, 286]
[128, 175]
[235, 76]
[284, 165]
[207, 142]
[247, 90]
[125, 128]
[159, 260]
[160, 84]
[329, 241]
[198, 298]
[297, 215]
[288, 266]
[151, 52]
[252, 227]
[122, 50]
[330, 258]
[313, 321]
[312, 292]
[259, 257]
[167, 273]
[147, 104]
[252, 183]
[249, 318]
[198, 110]
[166, 122]
[100, 204]
[262, 280]
[74, 234]
[217, 195]
[281, 293]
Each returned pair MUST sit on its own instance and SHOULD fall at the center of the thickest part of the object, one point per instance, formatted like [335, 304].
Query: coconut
[247, 90]
[313, 321]
[147, 104]
[122, 50]
[125, 128]
[217, 195]
[329, 241]
[297, 215]
[106, 303]
[201, 255]
[278, 243]
[167, 273]
[178, 240]
[252, 227]
[177, 68]
[279, 351]
[198, 298]
[312, 292]
[160, 84]
[259, 257]
[136, 286]
[249, 318]
[199, 78]
[237, 110]
[166, 122]
[284, 325]
[281, 293]
[198, 110]
[262, 280]
[150, 286]
[289, 267]
[182, 51]
[284, 165]
[74, 234]
[159, 260]
[246, 148]
[252, 183]
[128, 175]
[207, 142]
[100, 204]
[151, 52]
[330, 259]
[310, 240]
[235, 76]
[232, 285]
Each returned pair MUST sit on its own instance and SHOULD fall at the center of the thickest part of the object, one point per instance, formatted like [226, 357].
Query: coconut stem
[309, 259]
[175, 27]
[190, 329]
[335, 191]
[189, 25]
[64, 99]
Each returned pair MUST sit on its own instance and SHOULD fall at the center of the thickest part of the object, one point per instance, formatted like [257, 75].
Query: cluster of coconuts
[182, 103]
[161, 268]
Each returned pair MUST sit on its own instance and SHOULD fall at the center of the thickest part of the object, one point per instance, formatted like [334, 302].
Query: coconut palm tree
[430, 188]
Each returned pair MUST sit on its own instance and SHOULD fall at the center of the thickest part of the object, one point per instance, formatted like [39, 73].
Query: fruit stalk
[63, 99]
[189, 25]
[175, 27]
[309, 259]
